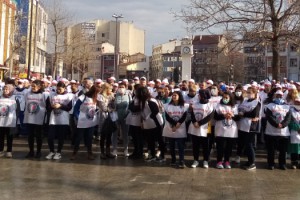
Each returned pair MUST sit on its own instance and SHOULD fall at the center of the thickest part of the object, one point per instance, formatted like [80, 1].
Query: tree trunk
[275, 60]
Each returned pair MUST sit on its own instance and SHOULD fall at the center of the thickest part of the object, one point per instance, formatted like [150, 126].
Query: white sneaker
[205, 164]
[57, 156]
[157, 153]
[237, 159]
[8, 155]
[115, 152]
[126, 154]
[195, 164]
[50, 156]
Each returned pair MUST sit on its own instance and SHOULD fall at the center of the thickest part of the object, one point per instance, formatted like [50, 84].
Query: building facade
[160, 64]
[97, 41]
[7, 25]
[32, 30]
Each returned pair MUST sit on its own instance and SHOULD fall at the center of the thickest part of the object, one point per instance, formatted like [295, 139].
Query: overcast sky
[153, 16]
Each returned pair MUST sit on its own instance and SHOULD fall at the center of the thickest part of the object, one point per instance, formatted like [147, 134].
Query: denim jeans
[87, 133]
[123, 128]
[180, 144]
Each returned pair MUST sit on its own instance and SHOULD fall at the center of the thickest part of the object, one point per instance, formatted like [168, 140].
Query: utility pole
[116, 70]
[30, 40]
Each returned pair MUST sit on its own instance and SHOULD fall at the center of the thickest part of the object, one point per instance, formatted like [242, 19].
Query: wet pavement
[126, 179]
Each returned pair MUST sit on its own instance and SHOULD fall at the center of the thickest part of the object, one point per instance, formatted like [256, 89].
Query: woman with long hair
[85, 114]
[106, 104]
[152, 122]
[175, 127]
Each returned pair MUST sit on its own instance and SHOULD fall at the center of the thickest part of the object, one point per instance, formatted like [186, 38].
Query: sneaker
[50, 156]
[195, 164]
[57, 156]
[8, 155]
[237, 159]
[250, 167]
[157, 154]
[181, 165]
[205, 164]
[227, 165]
[283, 167]
[294, 166]
[30, 155]
[271, 167]
[115, 152]
[103, 156]
[1, 154]
[160, 160]
[150, 159]
[126, 154]
[220, 165]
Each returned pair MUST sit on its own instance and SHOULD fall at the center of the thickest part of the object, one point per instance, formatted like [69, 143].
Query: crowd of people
[156, 116]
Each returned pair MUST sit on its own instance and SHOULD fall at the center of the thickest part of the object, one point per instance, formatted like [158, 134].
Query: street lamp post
[116, 70]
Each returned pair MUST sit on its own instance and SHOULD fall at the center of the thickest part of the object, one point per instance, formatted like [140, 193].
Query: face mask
[214, 92]
[278, 101]
[238, 94]
[121, 90]
[225, 101]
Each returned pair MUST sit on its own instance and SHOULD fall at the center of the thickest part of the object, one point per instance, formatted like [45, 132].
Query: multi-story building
[91, 35]
[171, 61]
[32, 30]
[209, 55]
[160, 65]
[7, 22]
[258, 61]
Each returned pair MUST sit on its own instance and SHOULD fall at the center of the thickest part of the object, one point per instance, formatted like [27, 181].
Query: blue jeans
[87, 133]
[123, 127]
[180, 144]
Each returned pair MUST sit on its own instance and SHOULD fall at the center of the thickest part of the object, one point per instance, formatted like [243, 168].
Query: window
[293, 48]
[103, 35]
[293, 62]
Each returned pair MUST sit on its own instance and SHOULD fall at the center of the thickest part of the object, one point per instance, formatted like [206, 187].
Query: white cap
[151, 82]
[165, 81]
[115, 84]
[21, 80]
[292, 87]
[125, 80]
[25, 81]
[158, 80]
[192, 80]
[279, 92]
[49, 76]
[98, 80]
[63, 80]
[278, 86]
[46, 80]
[210, 82]
[112, 78]
[136, 78]
[267, 82]
[54, 82]
[73, 81]
[143, 77]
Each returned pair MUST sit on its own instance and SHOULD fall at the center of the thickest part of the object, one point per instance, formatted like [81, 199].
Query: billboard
[88, 31]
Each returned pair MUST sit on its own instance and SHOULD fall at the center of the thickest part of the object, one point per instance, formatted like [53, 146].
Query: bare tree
[265, 21]
[58, 20]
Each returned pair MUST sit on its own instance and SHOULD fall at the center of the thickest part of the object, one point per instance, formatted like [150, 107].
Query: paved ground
[126, 179]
